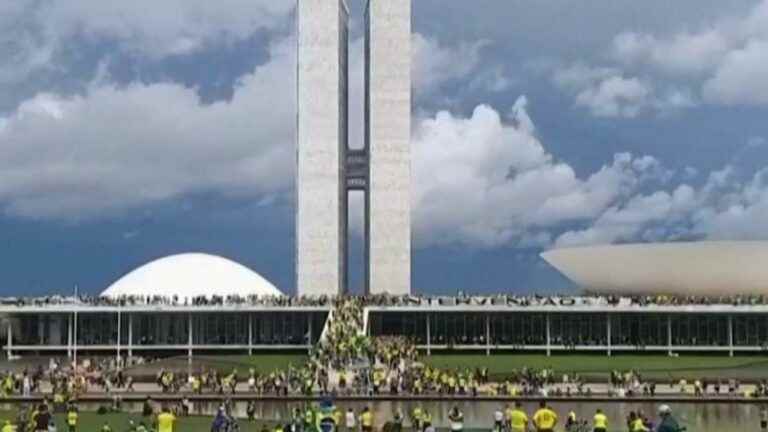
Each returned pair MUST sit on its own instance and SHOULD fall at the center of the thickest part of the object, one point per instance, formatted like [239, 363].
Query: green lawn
[262, 363]
[597, 367]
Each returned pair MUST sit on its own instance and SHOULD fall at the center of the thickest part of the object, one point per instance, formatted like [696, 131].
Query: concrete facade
[321, 218]
[388, 135]
[327, 169]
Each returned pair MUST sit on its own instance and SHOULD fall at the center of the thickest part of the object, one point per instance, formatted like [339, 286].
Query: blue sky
[135, 130]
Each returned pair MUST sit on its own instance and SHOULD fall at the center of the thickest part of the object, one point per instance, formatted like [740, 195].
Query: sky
[134, 130]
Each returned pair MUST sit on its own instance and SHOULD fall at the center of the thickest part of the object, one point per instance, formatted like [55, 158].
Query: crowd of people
[326, 417]
[41, 418]
[156, 300]
[346, 361]
[343, 341]
[381, 300]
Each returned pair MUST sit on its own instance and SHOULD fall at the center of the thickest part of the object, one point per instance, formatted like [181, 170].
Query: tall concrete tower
[321, 217]
[388, 136]
[328, 169]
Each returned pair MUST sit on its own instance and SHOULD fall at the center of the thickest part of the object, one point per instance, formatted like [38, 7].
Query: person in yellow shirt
[366, 420]
[416, 419]
[636, 423]
[165, 420]
[517, 419]
[8, 427]
[600, 421]
[72, 418]
[544, 420]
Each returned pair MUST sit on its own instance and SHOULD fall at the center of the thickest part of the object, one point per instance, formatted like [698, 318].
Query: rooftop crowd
[564, 300]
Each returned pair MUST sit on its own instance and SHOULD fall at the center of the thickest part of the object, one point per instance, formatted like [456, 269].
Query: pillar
[189, 341]
[487, 334]
[9, 339]
[310, 331]
[608, 332]
[74, 340]
[130, 336]
[250, 333]
[730, 335]
[549, 340]
[429, 335]
[669, 334]
[119, 333]
[41, 320]
[69, 335]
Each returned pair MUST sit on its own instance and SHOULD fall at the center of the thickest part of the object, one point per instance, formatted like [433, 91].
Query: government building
[656, 298]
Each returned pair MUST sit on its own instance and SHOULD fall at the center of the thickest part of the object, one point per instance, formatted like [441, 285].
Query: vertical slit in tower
[356, 242]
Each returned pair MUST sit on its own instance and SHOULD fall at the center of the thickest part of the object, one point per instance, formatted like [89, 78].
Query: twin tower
[328, 169]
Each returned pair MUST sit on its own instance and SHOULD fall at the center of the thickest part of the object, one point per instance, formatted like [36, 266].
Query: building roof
[192, 275]
[692, 268]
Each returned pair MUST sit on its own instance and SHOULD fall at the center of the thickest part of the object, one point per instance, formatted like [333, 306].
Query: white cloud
[513, 192]
[31, 33]
[684, 53]
[615, 97]
[510, 188]
[606, 92]
[161, 28]
[630, 220]
[579, 75]
[435, 64]
[493, 80]
[118, 147]
[741, 77]
[722, 208]
[728, 58]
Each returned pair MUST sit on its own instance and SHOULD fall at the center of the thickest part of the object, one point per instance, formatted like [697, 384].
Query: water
[697, 417]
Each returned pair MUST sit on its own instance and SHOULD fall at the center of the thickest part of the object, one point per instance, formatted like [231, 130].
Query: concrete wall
[322, 140]
[388, 129]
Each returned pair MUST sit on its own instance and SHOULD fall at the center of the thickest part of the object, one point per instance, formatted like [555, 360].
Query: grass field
[594, 367]
[597, 367]
[262, 363]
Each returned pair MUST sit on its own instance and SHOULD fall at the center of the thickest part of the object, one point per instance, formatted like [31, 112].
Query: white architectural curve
[704, 268]
[191, 275]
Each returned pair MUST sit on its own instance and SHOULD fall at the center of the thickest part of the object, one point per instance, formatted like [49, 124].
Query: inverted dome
[695, 268]
[192, 275]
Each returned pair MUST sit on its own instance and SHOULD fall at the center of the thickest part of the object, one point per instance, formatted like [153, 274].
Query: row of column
[608, 334]
[72, 334]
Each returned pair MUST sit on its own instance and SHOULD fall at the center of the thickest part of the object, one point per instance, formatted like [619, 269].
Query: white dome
[192, 275]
